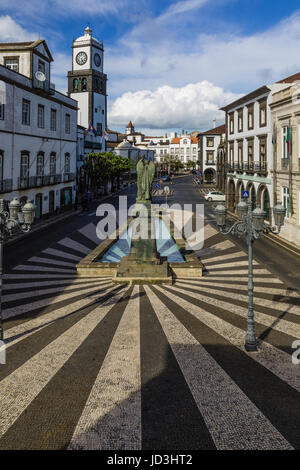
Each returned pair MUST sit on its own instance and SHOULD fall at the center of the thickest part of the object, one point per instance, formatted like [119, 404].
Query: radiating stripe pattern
[94, 365]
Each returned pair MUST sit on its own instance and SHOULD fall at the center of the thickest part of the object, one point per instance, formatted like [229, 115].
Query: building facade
[37, 130]
[285, 174]
[249, 134]
[209, 142]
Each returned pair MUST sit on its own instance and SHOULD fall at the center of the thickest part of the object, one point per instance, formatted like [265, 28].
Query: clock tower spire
[87, 81]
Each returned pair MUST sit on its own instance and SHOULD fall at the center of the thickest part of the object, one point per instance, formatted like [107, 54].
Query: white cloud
[192, 106]
[182, 7]
[12, 31]
[36, 8]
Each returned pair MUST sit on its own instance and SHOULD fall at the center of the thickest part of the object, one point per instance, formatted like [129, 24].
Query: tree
[104, 166]
[190, 164]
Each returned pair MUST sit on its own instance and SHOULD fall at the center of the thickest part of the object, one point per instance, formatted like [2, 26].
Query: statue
[145, 175]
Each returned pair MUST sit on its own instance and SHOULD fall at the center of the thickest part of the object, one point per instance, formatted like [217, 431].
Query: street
[94, 365]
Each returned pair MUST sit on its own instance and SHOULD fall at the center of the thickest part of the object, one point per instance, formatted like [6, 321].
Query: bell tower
[87, 82]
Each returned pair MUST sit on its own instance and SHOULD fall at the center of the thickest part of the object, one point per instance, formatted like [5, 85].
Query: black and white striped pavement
[92, 365]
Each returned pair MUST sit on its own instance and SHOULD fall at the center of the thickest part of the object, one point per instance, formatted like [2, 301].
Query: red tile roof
[290, 79]
[215, 131]
[176, 140]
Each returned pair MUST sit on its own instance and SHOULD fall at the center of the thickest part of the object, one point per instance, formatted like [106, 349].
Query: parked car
[166, 178]
[215, 196]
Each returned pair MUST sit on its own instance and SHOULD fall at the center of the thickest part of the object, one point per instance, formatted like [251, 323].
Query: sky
[170, 64]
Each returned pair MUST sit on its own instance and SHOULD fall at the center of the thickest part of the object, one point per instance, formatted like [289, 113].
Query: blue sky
[170, 64]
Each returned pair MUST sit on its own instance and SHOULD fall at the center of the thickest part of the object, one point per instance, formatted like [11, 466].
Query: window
[209, 157]
[240, 154]
[240, 120]
[263, 113]
[286, 200]
[99, 128]
[2, 107]
[250, 117]
[68, 123]
[231, 123]
[284, 142]
[24, 165]
[41, 66]
[184, 141]
[262, 151]
[75, 84]
[26, 113]
[41, 116]
[194, 149]
[210, 141]
[250, 154]
[231, 154]
[12, 64]
[67, 163]
[40, 165]
[53, 120]
[52, 163]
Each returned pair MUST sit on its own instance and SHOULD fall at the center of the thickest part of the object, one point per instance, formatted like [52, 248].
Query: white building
[209, 143]
[249, 130]
[286, 171]
[37, 130]
[87, 85]
[183, 147]
[127, 150]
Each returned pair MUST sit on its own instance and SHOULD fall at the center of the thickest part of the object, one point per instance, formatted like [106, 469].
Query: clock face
[81, 58]
[97, 60]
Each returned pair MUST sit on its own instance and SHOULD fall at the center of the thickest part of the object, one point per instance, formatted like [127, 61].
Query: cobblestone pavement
[92, 365]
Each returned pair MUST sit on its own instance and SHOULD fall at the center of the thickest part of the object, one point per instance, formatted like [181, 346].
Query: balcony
[285, 163]
[210, 162]
[68, 177]
[260, 167]
[37, 181]
[5, 186]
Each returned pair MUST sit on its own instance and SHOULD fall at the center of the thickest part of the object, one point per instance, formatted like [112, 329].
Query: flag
[288, 138]
[105, 135]
[92, 129]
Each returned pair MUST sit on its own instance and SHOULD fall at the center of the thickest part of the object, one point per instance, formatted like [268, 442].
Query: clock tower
[87, 82]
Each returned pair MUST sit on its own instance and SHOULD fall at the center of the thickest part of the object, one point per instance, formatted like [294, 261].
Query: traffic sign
[157, 185]
[245, 194]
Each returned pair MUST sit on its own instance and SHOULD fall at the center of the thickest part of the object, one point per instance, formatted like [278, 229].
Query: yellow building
[285, 108]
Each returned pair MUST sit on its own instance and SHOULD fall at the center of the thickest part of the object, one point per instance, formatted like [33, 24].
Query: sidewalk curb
[286, 245]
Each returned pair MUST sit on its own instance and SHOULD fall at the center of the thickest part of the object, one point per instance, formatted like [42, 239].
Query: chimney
[215, 123]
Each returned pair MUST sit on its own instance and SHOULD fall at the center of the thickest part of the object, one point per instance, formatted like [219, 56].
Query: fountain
[144, 260]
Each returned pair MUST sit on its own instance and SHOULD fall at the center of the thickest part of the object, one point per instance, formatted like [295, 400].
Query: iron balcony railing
[37, 181]
[6, 185]
[68, 177]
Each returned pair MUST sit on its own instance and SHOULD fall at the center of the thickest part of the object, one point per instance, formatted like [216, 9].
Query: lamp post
[8, 221]
[250, 224]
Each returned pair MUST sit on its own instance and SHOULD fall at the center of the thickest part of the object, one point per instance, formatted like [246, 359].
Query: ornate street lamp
[9, 222]
[250, 224]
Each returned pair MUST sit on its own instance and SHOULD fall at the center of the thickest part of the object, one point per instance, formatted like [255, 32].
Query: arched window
[53, 163]
[84, 84]
[75, 84]
[40, 164]
[67, 163]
